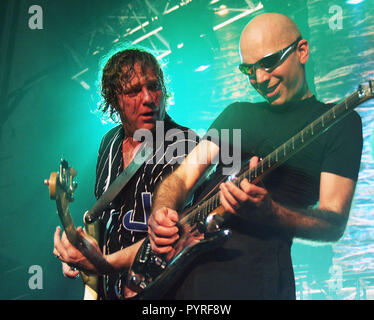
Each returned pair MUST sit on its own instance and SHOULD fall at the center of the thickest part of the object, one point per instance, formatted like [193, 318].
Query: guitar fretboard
[280, 154]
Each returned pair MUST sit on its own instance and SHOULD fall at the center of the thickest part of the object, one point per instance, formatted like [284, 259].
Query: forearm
[328, 221]
[312, 224]
[171, 193]
[175, 189]
[123, 259]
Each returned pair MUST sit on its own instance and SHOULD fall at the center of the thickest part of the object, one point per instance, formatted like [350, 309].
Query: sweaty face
[283, 84]
[141, 102]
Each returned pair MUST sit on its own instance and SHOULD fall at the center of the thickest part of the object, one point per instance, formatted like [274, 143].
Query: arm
[173, 191]
[330, 219]
[123, 259]
[71, 256]
[325, 223]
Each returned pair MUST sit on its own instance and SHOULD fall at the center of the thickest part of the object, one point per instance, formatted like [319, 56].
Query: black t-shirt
[264, 128]
[126, 221]
[255, 263]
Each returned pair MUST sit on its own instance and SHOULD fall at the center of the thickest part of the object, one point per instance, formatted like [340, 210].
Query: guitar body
[91, 282]
[157, 273]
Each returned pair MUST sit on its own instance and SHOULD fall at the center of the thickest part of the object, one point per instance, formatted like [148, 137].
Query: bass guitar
[61, 189]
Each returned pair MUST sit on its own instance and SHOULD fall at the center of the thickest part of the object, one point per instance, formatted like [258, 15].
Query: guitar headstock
[366, 90]
[61, 184]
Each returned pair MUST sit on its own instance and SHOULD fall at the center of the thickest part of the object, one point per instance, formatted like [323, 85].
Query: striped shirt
[126, 220]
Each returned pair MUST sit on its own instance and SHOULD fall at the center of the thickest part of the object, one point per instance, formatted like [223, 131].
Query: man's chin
[275, 100]
[150, 125]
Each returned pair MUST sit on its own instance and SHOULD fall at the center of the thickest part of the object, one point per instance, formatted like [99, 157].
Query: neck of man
[130, 146]
[303, 93]
[304, 90]
[306, 93]
[129, 149]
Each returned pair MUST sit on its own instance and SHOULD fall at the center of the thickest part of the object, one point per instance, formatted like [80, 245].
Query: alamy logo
[36, 20]
[229, 156]
[336, 20]
[36, 280]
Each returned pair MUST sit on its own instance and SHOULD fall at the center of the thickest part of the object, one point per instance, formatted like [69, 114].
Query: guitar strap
[107, 197]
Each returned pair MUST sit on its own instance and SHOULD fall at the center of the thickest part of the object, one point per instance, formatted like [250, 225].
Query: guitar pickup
[144, 254]
[159, 262]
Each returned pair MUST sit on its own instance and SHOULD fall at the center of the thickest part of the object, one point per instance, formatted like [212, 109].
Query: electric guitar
[151, 275]
[61, 188]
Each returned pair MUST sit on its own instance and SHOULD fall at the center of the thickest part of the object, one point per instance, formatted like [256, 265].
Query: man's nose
[147, 97]
[262, 76]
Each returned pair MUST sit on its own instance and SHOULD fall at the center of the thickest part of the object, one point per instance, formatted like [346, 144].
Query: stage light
[354, 1]
[147, 35]
[136, 28]
[222, 10]
[164, 54]
[202, 68]
[85, 85]
[237, 17]
[176, 7]
[79, 73]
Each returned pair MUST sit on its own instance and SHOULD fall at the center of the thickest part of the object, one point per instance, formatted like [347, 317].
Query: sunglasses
[269, 62]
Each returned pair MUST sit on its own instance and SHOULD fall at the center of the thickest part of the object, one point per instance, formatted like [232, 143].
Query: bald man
[309, 196]
[264, 35]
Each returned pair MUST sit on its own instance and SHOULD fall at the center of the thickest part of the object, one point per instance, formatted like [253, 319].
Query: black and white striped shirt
[126, 220]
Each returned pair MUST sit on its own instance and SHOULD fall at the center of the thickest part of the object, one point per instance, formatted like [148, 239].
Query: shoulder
[235, 113]
[112, 134]
[346, 133]
[351, 122]
[242, 106]
[171, 128]
[239, 106]
[355, 119]
[171, 124]
[350, 127]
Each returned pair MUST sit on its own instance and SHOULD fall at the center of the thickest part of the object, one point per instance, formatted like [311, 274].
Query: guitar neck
[281, 154]
[68, 224]
[301, 139]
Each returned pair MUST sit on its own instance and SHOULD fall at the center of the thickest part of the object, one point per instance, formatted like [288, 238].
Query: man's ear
[303, 51]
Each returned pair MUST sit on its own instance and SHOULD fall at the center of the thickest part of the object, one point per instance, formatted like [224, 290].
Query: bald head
[284, 80]
[267, 33]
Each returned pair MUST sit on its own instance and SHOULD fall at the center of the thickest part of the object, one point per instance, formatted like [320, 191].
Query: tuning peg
[73, 172]
[46, 182]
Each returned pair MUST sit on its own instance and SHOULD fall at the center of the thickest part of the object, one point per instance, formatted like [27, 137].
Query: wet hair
[114, 79]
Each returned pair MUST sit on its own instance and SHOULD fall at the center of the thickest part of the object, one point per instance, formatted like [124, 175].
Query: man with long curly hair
[134, 93]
